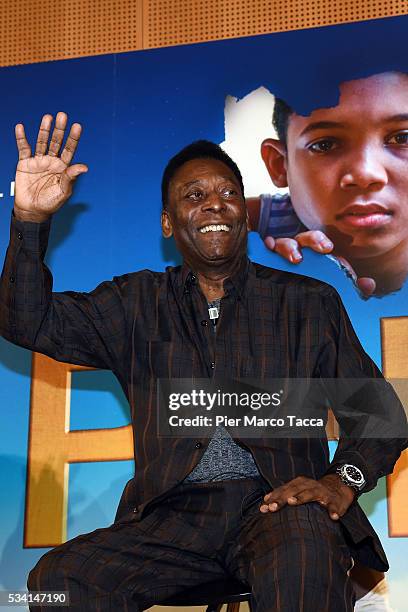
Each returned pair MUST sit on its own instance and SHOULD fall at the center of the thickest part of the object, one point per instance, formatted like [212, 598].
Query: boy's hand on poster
[291, 249]
[44, 181]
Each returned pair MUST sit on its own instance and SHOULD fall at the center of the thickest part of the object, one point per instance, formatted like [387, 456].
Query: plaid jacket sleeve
[372, 420]
[82, 328]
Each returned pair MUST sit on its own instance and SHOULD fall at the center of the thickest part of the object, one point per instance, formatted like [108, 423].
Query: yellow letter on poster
[394, 335]
[52, 447]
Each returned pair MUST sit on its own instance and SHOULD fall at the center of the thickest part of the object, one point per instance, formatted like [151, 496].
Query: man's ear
[274, 155]
[167, 228]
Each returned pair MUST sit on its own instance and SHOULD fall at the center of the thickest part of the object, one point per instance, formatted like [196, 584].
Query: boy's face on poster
[347, 166]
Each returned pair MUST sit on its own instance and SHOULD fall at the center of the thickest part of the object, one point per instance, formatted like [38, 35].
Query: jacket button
[12, 279]
[212, 365]
[204, 323]
[135, 510]
[20, 236]
[198, 445]
[193, 279]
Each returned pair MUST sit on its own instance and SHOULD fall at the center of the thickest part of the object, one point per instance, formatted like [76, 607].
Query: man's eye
[323, 146]
[229, 191]
[194, 195]
[398, 139]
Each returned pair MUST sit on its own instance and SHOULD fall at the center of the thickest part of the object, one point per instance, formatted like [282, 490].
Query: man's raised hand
[44, 181]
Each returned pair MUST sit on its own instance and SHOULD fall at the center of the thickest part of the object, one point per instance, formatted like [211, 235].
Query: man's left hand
[329, 492]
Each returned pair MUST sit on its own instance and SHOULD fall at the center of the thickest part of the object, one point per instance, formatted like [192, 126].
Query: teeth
[214, 228]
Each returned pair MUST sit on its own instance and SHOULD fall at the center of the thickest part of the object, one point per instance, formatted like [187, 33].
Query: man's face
[206, 213]
[347, 166]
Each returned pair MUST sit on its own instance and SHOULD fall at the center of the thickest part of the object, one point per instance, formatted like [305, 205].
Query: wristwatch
[351, 476]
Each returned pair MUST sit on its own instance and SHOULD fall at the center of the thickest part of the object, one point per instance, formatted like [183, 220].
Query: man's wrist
[335, 482]
[30, 217]
[30, 235]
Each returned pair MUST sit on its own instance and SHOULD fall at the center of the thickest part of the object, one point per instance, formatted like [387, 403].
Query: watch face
[352, 473]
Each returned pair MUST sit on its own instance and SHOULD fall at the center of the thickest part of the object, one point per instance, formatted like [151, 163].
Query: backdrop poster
[137, 110]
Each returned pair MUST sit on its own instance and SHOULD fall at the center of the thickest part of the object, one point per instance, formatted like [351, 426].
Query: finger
[24, 149]
[290, 488]
[58, 134]
[336, 509]
[289, 249]
[366, 285]
[312, 492]
[43, 135]
[269, 242]
[333, 513]
[274, 500]
[270, 507]
[70, 174]
[315, 240]
[281, 496]
[309, 495]
[269, 497]
[71, 143]
[279, 504]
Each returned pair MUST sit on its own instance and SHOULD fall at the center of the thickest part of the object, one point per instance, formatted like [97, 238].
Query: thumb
[366, 285]
[73, 171]
[70, 174]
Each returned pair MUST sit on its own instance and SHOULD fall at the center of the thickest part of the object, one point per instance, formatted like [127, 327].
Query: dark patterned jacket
[149, 325]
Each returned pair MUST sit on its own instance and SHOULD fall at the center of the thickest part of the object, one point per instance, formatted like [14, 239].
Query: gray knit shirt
[223, 458]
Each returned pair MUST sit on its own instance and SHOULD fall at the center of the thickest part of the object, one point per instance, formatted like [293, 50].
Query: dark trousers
[294, 560]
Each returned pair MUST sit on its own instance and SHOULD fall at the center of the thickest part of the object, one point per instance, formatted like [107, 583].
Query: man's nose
[365, 170]
[214, 201]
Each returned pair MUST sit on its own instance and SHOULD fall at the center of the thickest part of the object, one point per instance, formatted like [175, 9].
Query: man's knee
[299, 540]
[300, 559]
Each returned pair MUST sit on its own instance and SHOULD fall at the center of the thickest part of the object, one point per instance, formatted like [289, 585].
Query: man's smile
[215, 227]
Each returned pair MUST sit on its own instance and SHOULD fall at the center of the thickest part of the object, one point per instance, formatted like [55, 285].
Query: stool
[213, 595]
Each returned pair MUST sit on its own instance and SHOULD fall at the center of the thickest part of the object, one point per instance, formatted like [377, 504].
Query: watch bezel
[350, 480]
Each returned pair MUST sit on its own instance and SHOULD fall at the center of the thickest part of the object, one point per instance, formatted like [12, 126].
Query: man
[347, 178]
[271, 512]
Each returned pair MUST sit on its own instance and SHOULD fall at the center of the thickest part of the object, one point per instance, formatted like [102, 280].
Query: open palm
[44, 181]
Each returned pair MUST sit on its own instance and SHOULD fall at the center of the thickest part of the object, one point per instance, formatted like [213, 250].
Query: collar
[184, 278]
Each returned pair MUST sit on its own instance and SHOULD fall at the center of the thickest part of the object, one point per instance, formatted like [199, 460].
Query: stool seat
[211, 593]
